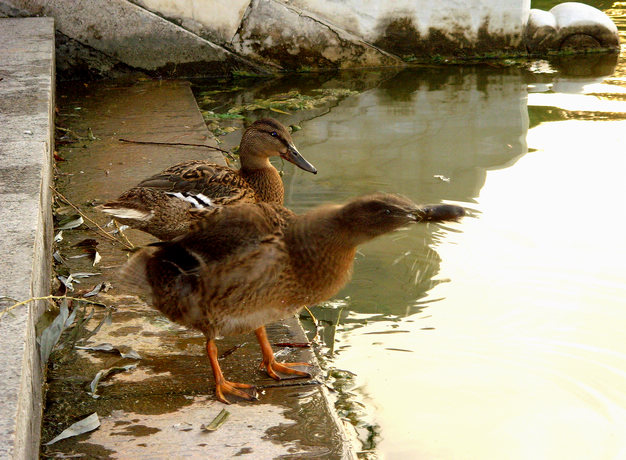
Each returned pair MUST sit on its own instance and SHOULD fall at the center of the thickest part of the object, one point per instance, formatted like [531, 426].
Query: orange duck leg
[221, 384]
[270, 364]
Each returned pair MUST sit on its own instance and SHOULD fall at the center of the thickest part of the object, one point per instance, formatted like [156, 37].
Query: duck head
[266, 138]
[369, 216]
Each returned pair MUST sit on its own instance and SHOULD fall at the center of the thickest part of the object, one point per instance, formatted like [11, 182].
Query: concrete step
[26, 143]
[158, 408]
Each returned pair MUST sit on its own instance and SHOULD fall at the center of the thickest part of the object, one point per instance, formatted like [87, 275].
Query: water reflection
[513, 318]
[500, 336]
[430, 134]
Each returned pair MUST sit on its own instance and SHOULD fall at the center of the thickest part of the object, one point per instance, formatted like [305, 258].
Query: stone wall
[190, 38]
[424, 27]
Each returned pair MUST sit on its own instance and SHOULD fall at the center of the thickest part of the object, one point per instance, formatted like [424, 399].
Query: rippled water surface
[503, 335]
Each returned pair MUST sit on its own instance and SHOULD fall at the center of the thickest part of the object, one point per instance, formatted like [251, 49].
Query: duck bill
[438, 213]
[293, 156]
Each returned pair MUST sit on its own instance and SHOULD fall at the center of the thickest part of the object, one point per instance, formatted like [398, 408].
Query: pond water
[503, 335]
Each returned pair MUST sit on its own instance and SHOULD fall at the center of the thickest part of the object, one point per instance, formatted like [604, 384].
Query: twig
[123, 235]
[295, 384]
[230, 155]
[69, 131]
[6, 310]
[232, 350]
[315, 323]
[82, 214]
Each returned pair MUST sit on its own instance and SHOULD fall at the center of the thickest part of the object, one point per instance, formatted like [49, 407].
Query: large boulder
[570, 26]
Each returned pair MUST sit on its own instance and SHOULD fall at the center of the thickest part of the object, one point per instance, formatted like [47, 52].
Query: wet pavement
[157, 408]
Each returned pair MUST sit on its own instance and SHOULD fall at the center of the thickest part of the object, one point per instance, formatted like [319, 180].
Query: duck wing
[223, 231]
[221, 184]
[226, 247]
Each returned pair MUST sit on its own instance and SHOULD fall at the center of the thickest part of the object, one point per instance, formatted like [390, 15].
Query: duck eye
[387, 211]
[274, 134]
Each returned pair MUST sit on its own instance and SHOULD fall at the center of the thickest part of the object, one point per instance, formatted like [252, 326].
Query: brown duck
[166, 204]
[246, 265]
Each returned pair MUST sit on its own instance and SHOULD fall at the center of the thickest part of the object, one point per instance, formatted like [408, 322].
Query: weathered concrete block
[570, 26]
[280, 35]
[26, 136]
[426, 28]
[540, 33]
[137, 37]
[576, 19]
[215, 20]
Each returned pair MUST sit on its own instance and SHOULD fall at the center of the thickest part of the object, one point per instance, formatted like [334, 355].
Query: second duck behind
[165, 205]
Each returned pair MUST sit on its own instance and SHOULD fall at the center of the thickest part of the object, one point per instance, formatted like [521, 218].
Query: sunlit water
[504, 335]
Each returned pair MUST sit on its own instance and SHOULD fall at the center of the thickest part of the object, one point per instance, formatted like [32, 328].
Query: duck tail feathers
[122, 211]
[134, 273]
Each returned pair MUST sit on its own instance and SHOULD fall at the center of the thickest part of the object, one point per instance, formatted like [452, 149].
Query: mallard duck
[246, 265]
[165, 205]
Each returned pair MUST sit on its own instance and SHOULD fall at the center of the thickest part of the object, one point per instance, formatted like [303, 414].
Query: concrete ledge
[26, 143]
[142, 410]
[137, 38]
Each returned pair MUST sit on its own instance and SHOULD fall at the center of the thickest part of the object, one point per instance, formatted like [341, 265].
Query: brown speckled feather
[166, 204]
[220, 183]
[245, 265]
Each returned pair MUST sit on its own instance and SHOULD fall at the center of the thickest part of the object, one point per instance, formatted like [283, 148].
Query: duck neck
[263, 178]
[321, 254]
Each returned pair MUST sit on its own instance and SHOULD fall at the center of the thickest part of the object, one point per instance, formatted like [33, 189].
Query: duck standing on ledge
[166, 204]
[246, 265]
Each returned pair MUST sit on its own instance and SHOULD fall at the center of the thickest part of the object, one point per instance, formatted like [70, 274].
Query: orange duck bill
[293, 156]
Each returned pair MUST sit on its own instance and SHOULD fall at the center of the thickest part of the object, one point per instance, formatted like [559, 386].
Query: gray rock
[282, 36]
[570, 26]
[137, 38]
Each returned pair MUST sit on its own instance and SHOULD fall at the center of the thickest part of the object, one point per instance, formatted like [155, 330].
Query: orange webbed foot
[273, 368]
[235, 389]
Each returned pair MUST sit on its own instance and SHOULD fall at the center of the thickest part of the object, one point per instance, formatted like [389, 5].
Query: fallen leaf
[68, 281]
[84, 274]
[104, 287]
[79, 256]
[50, 335]
[131, 354]
[58, 258]
[110, 348]
[101, 347]
[104, 374]
[274, 109]
[70, 222]
[86, 425]
[217, 421]
[183, 426]
[96, 258]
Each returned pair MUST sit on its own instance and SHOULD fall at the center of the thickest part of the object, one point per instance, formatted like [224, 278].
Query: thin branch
[315, 323]
[123, 235]
[82, 214]
[230, 155]
[6, 310]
